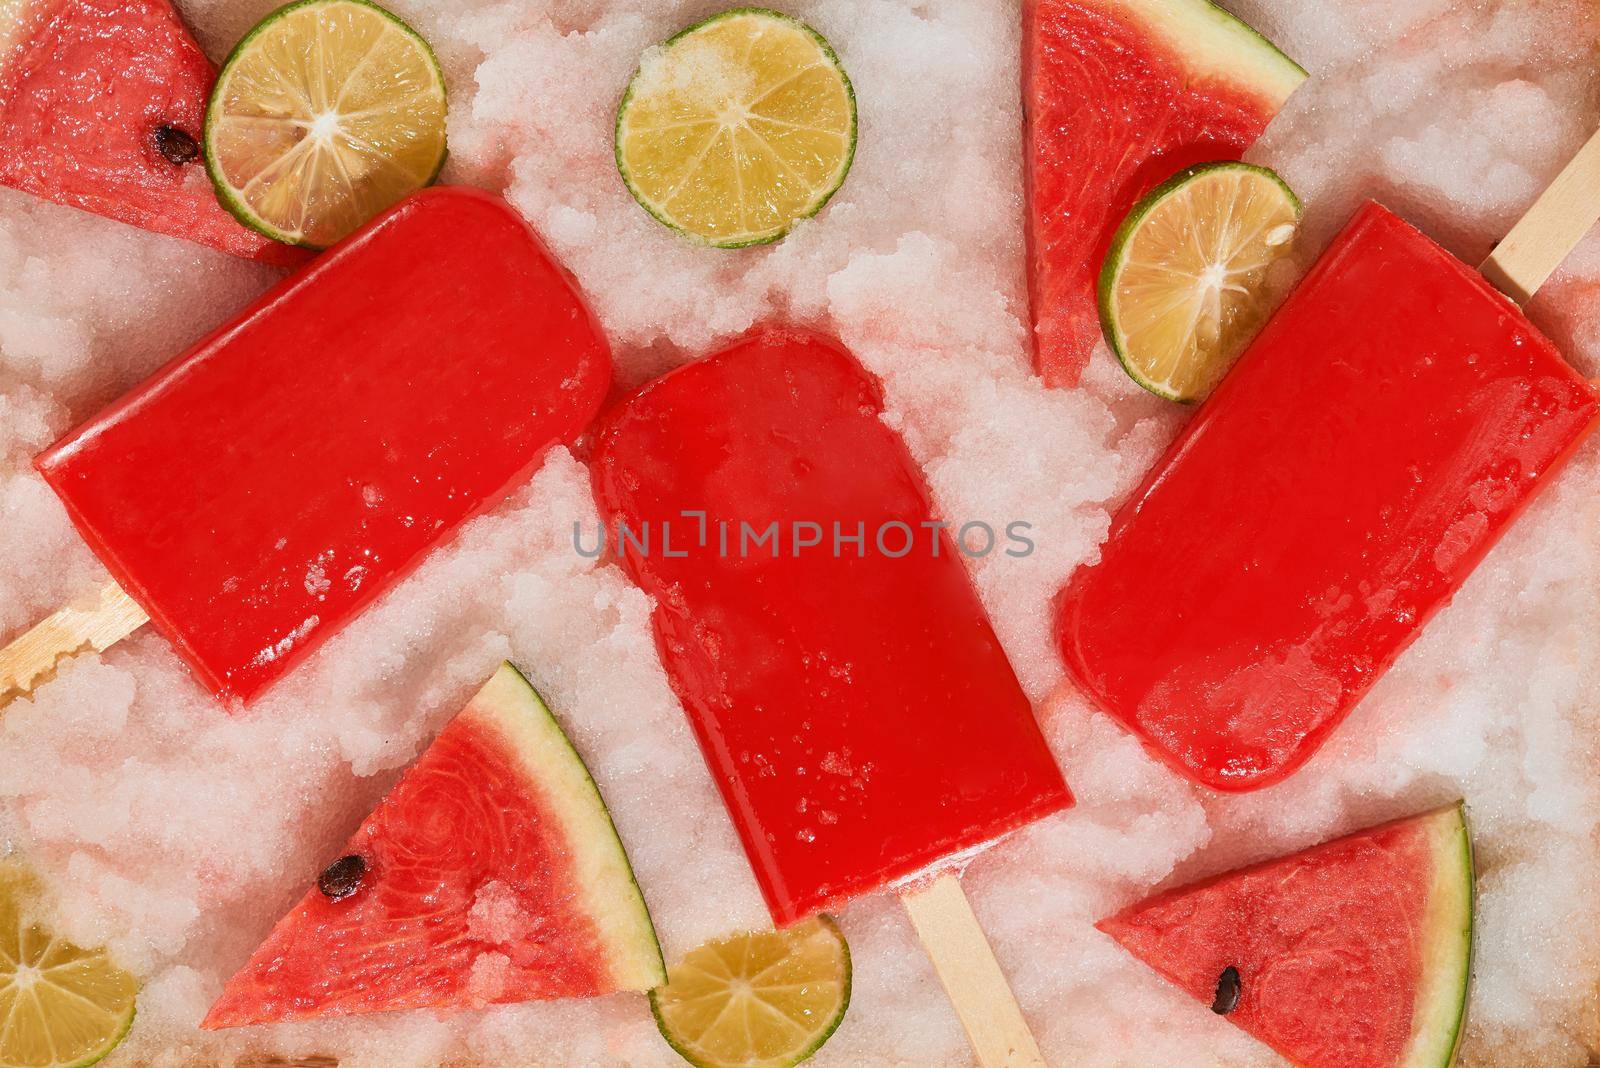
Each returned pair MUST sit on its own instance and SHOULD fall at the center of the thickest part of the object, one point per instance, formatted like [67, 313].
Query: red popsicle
[1376, 440]
[852, 702]
[261, 489]
[855, 708]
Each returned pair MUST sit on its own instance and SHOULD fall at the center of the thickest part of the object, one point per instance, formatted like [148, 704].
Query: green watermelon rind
[1439, 1023]
[224, 190]
[1444, 970]
[509, 705]
[1218, 45]
[821, 202]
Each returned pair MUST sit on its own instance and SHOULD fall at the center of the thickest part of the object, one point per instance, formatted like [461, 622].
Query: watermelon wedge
[1120, 95]
[491, 873]
[1353, 954]
[91, 91]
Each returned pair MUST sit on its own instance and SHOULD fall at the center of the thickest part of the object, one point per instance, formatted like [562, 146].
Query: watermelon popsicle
[262, 488]
[1366, 452]
[850, 697]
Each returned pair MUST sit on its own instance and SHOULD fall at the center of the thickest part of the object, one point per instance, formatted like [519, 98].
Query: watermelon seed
[175, 146]
[342, 878]
[1228, 991]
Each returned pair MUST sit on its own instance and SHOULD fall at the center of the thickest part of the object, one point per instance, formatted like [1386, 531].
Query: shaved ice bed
[179, 834]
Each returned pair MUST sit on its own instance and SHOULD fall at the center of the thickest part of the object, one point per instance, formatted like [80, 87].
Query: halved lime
[1181, 291]
[766, 999]
[328, 112]
[60, 1006]
[737, 128]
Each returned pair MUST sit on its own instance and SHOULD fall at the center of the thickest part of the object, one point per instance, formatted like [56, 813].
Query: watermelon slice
[85, 88]
[491, 873]
[1119, 96]
[1352, 954]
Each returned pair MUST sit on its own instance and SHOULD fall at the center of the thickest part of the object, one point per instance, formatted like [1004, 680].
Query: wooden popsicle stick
[33, 655]
[971, 976]
[1550, 230]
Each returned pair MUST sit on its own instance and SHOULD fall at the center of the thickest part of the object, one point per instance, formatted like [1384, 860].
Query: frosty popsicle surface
[1366, 452]
[262, 488]
[856, 710]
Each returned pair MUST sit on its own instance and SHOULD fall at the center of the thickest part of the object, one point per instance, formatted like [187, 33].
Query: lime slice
[328, 112]
[60, 1006]
[737, 128]
[767, 999]
[1181, 291]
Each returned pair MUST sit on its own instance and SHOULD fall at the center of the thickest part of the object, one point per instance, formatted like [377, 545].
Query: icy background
[179, 834]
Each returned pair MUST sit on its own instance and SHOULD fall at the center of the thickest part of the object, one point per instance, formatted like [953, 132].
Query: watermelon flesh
[1119, 96]
[1353, 954]
[84, 86]
[492, 874]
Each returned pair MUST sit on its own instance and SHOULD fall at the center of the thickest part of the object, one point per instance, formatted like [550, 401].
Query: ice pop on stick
[1376, 440]
[852, 701]
[262, 488]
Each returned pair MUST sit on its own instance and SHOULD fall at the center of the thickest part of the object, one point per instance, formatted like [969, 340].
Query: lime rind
[1116, 258]
[225, 193]
[821, 201]
[846, 983]
[111, 1044]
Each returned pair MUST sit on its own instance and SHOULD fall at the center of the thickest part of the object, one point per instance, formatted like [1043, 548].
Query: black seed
[1228, 991]
[176, 146]
[342, 878]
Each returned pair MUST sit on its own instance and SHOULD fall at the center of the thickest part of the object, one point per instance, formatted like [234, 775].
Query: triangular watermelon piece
[491, 873]
[84, 87]
[1352, 954]
[1119, 96]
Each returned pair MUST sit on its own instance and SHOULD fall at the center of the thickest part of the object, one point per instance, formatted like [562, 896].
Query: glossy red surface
[257, 492]
[856, 711]
[81, 98]
[1369, 448]
[1112, 113]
